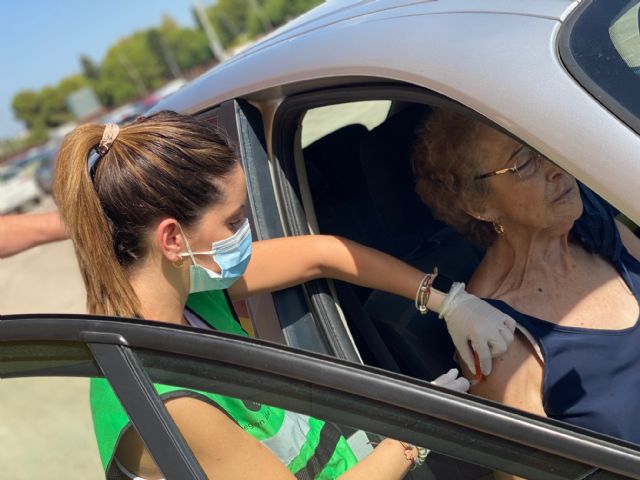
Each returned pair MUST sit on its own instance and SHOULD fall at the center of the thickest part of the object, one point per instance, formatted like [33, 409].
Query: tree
[189, 46]
[281, 11]
[131, 69]
[26, 106]
[90, 70]
[229, 18]
[47, 108]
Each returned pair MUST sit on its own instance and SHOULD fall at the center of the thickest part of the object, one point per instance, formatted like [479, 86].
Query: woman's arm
[284, 262]
[224, 450]
[20, 232]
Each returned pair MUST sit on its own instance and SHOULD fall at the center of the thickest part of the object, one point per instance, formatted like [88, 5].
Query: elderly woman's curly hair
[445, 163]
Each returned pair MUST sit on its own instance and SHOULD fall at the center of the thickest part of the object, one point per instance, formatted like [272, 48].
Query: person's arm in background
[23, 231]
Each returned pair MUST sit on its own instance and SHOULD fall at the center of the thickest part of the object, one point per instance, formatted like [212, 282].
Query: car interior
[361, 184]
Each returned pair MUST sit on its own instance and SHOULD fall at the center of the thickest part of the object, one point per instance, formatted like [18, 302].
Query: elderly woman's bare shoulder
[515, 379]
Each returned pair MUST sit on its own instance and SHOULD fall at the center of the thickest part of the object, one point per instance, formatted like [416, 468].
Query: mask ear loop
[186, 241]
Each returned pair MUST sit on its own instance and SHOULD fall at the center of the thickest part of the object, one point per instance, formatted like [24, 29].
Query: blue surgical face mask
[232, 255]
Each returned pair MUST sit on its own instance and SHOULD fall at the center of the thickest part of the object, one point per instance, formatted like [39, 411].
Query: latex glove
[452, 381]
[471, 320]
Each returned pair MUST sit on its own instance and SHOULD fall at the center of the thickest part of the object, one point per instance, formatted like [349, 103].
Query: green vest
[311, 448]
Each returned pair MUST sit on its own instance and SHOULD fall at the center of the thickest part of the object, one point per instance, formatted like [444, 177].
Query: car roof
[497, 57]
[333, 12]
[329, 19]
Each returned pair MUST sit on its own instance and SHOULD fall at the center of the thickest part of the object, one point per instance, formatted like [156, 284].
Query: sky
[41, 40]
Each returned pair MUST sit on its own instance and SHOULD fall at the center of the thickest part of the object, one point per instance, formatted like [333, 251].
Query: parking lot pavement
[45, 423]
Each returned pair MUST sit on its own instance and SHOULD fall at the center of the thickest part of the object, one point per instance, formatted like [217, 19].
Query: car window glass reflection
[625, 35]
[231, 425]
[46, 429]
[321, 121]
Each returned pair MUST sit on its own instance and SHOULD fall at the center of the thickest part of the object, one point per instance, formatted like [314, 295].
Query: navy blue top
[592, 376]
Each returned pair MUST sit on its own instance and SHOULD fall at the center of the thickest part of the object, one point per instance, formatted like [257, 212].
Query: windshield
[600, 46]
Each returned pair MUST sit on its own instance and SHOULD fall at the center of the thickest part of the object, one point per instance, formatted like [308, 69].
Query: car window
[625, 35]
[46, 430]
[321, 121]
[601, 47]
[219, 368]
[242, 394]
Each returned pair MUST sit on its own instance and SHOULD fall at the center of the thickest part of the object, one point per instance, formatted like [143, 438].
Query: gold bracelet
[424, 291]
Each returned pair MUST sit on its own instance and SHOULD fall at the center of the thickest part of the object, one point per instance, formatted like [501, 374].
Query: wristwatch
[442, 283]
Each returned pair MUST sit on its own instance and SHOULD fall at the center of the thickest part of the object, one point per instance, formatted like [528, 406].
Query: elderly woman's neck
[523, 257]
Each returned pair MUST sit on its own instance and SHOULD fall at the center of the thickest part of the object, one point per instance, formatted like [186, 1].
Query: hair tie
[109, 136]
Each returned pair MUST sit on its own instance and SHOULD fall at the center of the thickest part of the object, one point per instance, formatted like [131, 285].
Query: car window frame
[284, 314]
[492, 431]
[576, 20]
[321, 299]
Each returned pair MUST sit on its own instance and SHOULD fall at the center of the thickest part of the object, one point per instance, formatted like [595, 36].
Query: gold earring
[498, 228]
[178, 263]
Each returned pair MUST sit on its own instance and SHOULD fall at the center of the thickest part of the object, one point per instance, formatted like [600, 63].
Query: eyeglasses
[526, 162]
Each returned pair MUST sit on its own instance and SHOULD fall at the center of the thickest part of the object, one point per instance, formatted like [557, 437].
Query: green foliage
[89, 69]
[280, 12]
[145, 60]
[47, 108]
[131, 69]
[190, 47]
[229, 18]
[26, 107]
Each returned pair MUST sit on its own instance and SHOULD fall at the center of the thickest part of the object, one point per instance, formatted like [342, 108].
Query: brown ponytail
[166, 165]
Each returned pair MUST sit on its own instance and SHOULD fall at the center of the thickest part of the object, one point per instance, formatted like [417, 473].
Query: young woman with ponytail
[156, 212]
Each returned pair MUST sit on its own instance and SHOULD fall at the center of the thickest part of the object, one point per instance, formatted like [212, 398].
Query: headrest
[385, 156]
[335, 157]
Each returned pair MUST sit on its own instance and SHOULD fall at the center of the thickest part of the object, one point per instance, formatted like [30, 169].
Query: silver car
[324, 113]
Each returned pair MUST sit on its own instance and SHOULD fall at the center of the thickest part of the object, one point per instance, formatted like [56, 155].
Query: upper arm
[629, 240]
[515, 379]
[220, 445]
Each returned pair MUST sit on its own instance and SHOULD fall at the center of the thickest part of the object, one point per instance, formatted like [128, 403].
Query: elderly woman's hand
[473, 323]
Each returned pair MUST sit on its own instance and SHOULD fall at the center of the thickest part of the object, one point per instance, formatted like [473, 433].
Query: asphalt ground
[45, 423]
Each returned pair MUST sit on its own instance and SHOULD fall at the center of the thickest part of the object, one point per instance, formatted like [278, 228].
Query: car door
[134, 354]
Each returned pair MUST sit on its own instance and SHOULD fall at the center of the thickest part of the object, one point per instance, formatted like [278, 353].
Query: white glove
[452, 381]
[470, 319]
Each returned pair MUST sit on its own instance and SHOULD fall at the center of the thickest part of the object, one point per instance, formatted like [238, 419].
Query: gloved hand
[452, 381]
[470, 319]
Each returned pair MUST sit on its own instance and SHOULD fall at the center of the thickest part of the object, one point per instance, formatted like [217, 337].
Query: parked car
[324, 113]
[44, 173]
[18, 189]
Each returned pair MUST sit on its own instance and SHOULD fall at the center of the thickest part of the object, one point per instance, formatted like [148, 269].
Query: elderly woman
[556, 261]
